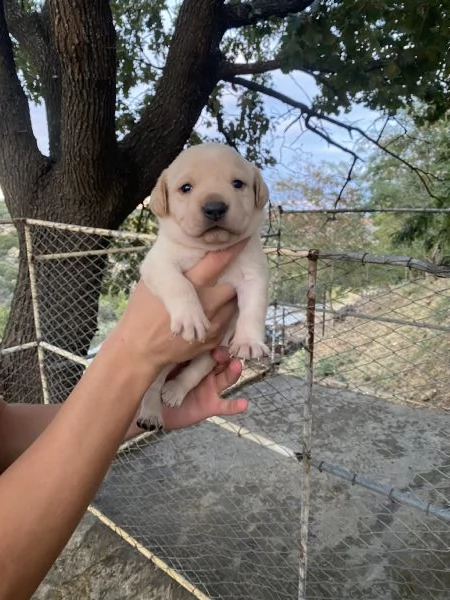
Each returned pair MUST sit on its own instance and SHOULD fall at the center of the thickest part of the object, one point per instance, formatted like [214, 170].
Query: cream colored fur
[185, 236]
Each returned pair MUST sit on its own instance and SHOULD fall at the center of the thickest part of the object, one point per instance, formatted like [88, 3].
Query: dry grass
[393, 344]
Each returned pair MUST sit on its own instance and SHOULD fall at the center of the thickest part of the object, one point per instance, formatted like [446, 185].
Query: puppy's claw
[248, 349]
[172, 393]
[151, 423]
[192, 325]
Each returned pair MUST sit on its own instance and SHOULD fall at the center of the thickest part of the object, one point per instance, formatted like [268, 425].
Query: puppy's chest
[233, 275]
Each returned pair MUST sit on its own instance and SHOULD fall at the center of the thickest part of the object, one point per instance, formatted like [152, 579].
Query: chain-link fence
[336, 483]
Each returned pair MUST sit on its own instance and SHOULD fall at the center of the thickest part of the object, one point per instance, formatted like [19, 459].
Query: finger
[221, 354]
[229, 376]
[208, 270]
[222, 358]
[219, 368]
[234, 406]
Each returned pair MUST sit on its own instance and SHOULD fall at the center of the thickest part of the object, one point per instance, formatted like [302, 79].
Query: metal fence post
[305, 455]
[36, 316]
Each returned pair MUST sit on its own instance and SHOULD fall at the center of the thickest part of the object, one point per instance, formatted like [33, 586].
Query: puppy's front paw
[248, 349]
[190, 322]
[172, 393]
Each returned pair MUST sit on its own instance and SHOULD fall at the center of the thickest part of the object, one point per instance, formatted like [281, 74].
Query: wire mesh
[19, 343]
[227, 504]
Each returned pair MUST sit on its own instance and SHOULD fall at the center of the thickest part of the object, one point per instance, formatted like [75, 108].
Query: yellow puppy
[208, 199]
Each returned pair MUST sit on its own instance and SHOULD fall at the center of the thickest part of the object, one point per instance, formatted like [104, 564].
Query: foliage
[385, 55]
[316, 189]
[144, 32]
[391, 185]
[111, 308]
[122, 271]
[8, 269]
[382, 55]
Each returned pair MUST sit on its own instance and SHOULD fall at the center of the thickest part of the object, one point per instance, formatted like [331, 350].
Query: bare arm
[44, 493]
[21, 424]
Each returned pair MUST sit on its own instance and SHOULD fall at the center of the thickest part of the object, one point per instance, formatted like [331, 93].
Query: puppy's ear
[159, 198]
[260, 188]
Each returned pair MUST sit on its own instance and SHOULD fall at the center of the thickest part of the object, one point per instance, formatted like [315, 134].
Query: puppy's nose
[214, 210]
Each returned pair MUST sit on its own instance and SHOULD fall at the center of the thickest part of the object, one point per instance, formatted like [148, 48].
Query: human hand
[144, 330]
[204, 400]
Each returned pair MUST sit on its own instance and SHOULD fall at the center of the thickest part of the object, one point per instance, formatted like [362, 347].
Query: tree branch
[84, 39]
[263, 89]
[221, 128]
[20, 159]
[189, 77]
[227, 69]
[27, 29]
[347, 181]
[305, 110]
[325, 136]
[309, 113]
[33, 33]
[249, 13]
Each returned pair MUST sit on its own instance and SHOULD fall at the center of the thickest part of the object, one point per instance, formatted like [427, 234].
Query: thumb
[234, 406]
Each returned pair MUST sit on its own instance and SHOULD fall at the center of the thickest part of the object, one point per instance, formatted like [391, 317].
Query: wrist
[124, 355]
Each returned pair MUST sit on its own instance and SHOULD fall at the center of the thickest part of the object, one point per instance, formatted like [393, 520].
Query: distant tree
[318, 188]
[385, 55]
[393, 185]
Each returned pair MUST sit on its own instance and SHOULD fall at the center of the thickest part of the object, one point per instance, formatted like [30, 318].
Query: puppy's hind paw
[150, 423]
[172, 393]
[248, 350]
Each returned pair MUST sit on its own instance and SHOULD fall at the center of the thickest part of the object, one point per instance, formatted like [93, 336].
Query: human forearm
[22, 424]
[45, 492]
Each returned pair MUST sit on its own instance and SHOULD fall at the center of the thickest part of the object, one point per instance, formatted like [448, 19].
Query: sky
[289, 145]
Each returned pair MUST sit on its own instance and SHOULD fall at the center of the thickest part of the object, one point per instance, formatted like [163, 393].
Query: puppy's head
[210, 195]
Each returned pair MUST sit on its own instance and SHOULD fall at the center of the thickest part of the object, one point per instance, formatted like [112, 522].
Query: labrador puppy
[207, 199]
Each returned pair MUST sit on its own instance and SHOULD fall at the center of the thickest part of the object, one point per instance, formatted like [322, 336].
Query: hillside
[393, 342]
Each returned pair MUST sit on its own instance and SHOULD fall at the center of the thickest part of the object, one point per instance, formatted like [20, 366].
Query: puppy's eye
[186, 188]
[238, 184]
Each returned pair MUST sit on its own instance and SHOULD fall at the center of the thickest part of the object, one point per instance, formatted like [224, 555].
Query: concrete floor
[225, 512]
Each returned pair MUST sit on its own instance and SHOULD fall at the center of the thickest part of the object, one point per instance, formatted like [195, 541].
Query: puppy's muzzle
[214, 210]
